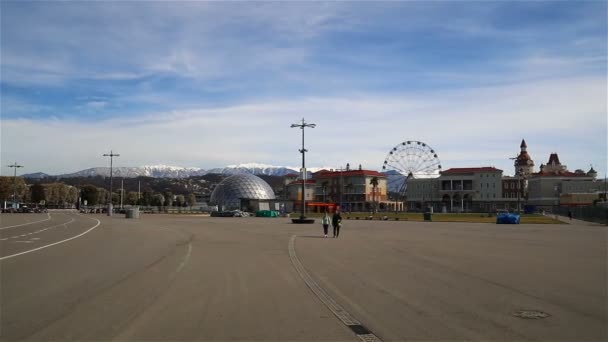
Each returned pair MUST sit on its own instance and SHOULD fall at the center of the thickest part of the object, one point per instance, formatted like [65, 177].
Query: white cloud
[474, 127]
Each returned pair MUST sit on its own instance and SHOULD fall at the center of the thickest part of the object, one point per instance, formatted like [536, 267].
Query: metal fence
[598, 214]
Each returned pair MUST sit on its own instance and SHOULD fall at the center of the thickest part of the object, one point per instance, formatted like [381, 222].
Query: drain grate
[530, 314]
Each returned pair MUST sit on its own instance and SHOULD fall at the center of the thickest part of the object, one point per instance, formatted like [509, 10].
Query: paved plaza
[66, 276]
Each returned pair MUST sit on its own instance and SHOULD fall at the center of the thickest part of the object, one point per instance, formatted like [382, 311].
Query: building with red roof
[354, 190]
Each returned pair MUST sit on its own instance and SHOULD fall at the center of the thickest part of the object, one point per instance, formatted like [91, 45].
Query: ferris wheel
[409, 159]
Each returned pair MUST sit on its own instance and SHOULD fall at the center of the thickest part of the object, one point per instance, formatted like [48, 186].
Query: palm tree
[374, 183]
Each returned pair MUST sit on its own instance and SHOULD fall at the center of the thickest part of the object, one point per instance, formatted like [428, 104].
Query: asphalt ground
[194, 278]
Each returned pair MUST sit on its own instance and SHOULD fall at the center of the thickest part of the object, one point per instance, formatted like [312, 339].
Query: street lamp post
[15, 166]
[302, 218]
[122, 189]
[111, 155]
[518, 189]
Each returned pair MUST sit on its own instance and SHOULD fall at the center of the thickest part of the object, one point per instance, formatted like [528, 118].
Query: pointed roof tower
[523, 162]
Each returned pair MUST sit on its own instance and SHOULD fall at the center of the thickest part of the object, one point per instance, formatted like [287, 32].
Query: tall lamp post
[15, 166]
[303, 218]
[519, 172]
[111, 155]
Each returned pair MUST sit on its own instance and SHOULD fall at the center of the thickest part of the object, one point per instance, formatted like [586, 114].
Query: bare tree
[191, 200]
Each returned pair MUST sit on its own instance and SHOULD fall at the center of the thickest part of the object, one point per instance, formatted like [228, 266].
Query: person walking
[570, 214]
[325, 221]
[336, 222]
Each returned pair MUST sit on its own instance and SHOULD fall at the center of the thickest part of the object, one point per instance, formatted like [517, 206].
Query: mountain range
[394, 178]
[166, 171]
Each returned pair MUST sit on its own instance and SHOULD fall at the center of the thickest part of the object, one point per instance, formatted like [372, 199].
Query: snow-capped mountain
[165, 171]
[254, 168]
[36, 175]
[157, 171]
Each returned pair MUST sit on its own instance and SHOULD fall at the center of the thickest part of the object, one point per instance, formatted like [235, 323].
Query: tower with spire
[523, 161]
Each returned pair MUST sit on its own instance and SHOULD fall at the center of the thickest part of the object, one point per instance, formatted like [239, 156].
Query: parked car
[507, 218]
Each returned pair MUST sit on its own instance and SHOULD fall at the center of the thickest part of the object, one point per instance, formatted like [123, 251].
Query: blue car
[507, 218]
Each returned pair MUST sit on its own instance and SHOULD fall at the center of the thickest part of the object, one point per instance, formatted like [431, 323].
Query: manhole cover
[530, 314]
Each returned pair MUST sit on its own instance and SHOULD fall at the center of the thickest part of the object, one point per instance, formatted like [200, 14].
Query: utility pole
[15, 166]
[301, 126]
[122, 191]
[111, 155]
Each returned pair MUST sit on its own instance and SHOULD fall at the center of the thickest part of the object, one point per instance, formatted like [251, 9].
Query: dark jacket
[336, 219]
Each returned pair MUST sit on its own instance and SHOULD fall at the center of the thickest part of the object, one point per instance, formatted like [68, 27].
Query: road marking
[38, 231]
[54, 243]
[23, 241]
[349, 320]
[186, 258]
[4, 239]
[25, 224]
[35, 239]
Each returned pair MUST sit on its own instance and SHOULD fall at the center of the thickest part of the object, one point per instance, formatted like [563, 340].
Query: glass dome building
[229, 192]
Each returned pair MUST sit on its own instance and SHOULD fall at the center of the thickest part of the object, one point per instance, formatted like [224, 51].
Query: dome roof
[229, 192]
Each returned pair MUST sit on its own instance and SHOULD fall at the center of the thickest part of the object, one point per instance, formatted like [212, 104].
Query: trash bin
[132, 213]
[428, 216]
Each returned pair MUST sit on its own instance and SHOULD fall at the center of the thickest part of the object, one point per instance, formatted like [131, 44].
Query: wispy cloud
[465, 127]
[208, 84]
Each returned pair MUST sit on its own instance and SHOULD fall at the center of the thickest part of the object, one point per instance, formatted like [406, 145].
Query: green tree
[180, 200]
[37, 194]
[90, 193]
[147, 198]
[132, 197]
[168, 198]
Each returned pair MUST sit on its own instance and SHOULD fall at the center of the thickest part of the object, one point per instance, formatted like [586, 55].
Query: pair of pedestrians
[335, 221]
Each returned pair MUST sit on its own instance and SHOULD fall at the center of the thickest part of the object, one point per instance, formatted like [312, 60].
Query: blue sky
[207, 84]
